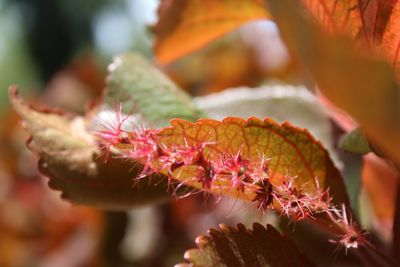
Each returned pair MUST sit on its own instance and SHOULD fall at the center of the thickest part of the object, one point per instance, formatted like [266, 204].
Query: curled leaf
[259, 247]
[69, 157]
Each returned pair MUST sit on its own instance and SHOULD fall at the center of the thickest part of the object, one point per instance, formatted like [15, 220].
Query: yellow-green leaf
[291, 152]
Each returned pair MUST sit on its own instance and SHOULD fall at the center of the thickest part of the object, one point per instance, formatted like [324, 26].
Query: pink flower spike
[145, 150]
[321, 200]
[294, 203]
[233, 168]
[258, 171]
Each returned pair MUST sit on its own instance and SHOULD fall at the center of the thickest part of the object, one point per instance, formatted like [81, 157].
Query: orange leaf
[391, 37]
[185, 26]
[292, 152]
[375, 16]
[380, 180]
[376, 23]
[336, 16]
[363, 86]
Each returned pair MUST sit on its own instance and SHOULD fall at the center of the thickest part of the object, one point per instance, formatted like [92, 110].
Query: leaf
[292, 152]
[185, 26]
[337, 16]
[143, 89]
[70, 158]
[295, 104]
[352, 173]
[259, 247]
[373, 23]
[380, 181]
[391, 38]
[375, 16]
[363, 86]
[68, 153]
[355, 142]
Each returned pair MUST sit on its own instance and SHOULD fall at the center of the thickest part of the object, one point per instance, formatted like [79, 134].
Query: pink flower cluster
[234, 172]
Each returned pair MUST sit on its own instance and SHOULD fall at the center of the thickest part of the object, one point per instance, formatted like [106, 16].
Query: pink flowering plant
[148, 141]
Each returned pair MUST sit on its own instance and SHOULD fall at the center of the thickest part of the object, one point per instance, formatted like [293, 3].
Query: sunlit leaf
[363, 86]
[391, 35]
[337, 16]
[259, 247]
[291, 152]
[375, 23]
[295, 104]
[68, 155]
[185, 26]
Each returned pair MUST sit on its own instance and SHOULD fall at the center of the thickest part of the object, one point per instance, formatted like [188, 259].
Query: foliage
[351, 50]
[242, 247]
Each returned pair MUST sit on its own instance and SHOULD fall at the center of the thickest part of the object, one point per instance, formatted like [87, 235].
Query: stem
[331, 226]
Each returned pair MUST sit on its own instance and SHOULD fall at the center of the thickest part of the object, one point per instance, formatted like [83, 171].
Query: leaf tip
[14, 97]
[224, 227]
[201, 241]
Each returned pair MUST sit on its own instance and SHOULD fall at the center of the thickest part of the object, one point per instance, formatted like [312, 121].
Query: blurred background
[57, 51]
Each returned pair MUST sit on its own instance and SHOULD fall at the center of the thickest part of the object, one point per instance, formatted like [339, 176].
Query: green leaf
[143, 89]
[355, 142]
[243, 247]
[68, 155]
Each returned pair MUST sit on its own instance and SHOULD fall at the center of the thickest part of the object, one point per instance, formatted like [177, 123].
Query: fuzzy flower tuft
[225, 172]
[353, 236]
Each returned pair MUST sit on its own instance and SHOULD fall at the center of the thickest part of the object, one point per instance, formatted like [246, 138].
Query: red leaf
[242, 247]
